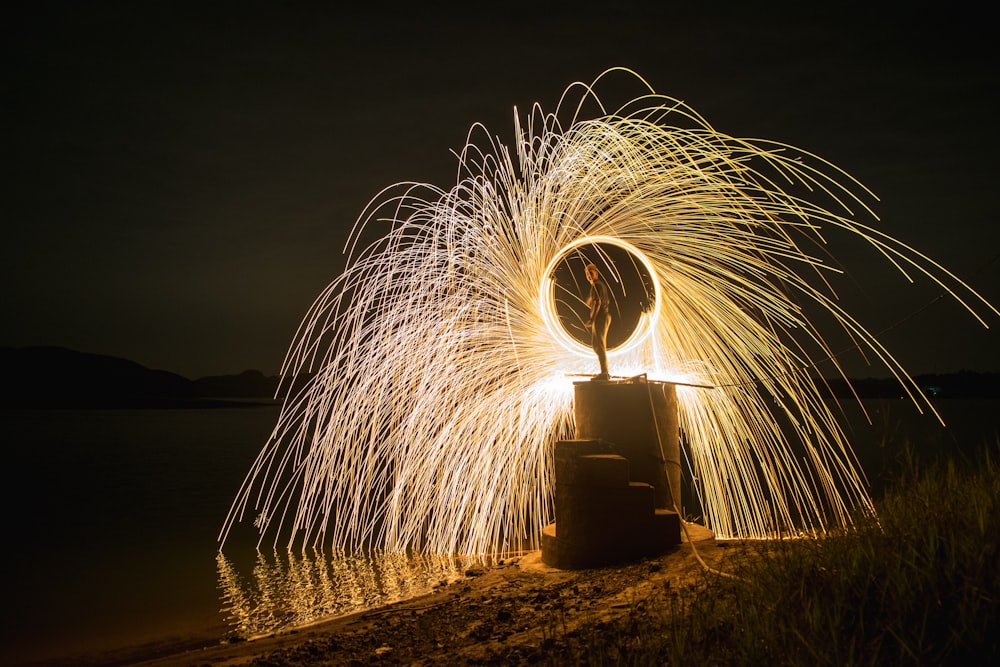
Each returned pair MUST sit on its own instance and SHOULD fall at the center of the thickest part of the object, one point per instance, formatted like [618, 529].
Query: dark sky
[180, 178]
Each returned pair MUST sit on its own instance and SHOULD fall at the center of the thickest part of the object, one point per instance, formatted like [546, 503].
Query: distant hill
[248, 384]
[56, 377]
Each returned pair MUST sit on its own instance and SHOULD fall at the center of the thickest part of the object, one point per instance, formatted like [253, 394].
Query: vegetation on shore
[919, 586]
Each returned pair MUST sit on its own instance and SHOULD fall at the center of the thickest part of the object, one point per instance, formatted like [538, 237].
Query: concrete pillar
[640, 419]
[618, 484]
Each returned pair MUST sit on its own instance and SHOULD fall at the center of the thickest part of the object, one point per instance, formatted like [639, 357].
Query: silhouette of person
[600, 317]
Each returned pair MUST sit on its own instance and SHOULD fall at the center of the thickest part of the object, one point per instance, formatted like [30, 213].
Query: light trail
[441, 387]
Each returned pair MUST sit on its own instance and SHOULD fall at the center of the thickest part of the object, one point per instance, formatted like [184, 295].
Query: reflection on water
[283, 590]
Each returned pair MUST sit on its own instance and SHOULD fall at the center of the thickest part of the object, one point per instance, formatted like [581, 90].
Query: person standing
[600, 317]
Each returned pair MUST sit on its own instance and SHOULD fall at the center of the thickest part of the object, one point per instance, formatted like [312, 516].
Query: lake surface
[112, 519]
[113, 533]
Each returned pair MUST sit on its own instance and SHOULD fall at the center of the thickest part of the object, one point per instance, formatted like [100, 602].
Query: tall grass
[919, 586]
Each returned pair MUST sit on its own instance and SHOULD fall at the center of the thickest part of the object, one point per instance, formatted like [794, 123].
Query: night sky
[180, 178]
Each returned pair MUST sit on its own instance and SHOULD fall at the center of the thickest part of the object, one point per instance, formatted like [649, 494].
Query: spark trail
[442, 380]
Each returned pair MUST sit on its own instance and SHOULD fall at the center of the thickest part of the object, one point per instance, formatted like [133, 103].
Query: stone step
[594, 470]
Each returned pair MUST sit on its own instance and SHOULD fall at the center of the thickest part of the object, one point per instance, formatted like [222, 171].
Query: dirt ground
[513, 613]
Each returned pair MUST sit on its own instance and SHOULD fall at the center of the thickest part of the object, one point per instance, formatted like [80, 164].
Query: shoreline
[506, 607]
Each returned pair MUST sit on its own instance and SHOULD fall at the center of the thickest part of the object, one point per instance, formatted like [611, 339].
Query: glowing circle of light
[427, 383]
[547, 307]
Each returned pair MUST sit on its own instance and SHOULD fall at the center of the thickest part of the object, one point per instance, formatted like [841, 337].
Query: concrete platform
[602, 517]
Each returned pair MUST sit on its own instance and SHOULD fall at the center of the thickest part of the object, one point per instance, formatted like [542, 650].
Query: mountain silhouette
[58, 377]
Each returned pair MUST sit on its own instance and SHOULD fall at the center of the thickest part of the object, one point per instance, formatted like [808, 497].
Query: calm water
[114, 525]
[112, 519]
[111, 527]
